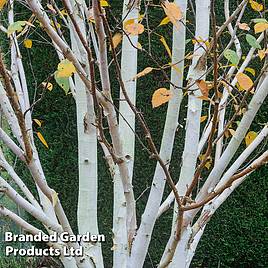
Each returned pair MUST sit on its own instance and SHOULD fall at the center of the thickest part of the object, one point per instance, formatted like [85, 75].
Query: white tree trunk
[190, 152]
[127, 132]
[143, 237]
[87, 147]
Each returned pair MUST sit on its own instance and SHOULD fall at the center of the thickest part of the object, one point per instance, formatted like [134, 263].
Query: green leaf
[231, 56]
[63, 82]
[259, 20]
[252, 41]
[16, 26]
[187, 41]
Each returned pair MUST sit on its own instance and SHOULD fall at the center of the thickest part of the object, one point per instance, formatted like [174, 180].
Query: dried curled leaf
[203, 86]
[47, 85]
[250, 137]
[42, 139]
[243, 26]
[244, 81]
[172, 11]
[117, 38]
[143, 73]
[161, 96]
[134, 28]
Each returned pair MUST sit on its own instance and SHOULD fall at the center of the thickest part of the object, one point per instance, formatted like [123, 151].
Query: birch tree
[97, 56]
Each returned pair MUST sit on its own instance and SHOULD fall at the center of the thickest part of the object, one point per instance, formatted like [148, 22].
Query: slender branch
[16, 106]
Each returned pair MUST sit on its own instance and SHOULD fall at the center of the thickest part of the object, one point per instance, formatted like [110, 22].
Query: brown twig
[258, 163]
[140, 118]
[17, 109]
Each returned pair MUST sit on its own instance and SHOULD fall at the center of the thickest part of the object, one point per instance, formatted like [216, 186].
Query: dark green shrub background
[237, 234]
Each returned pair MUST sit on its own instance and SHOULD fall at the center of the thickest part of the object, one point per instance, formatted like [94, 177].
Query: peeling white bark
[143, 237]
[126, 128]
[87, 145]
[190, 152]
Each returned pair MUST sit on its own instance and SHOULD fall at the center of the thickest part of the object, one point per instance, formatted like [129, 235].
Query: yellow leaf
[163, 41]
[203, 86]
[117, 38]
[208, 161]
[203, 118]
[28, 43]
[64, 12]
[164, 21]
[176, 68]
[42, 139]
[238, 110]
[90, 15]
[143, 73]
[38, 122]
[243, 26]
[65, 68]
[244, 81]
[256, 6]
[104, 3]
[140, 18]
[139, 46]
[47, 85]
[208, 164]
[172, 11]
[189, 56]
[250, 137]
[261, 53]
[134, 28]
[251, 70]
[260, 27]
[128, 22]
[161, 96]
[2, 3]
[55, 25]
